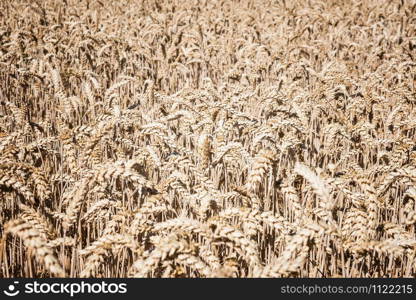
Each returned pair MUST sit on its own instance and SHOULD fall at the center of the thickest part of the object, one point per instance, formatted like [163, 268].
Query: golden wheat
[250, 138]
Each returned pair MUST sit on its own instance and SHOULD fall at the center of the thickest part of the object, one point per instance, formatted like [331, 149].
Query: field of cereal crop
[250, 138]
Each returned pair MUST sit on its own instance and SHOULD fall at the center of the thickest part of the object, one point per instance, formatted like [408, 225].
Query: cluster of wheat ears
[207, 138]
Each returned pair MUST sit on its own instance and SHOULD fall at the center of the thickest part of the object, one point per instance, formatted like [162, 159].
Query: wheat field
[249, 138]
